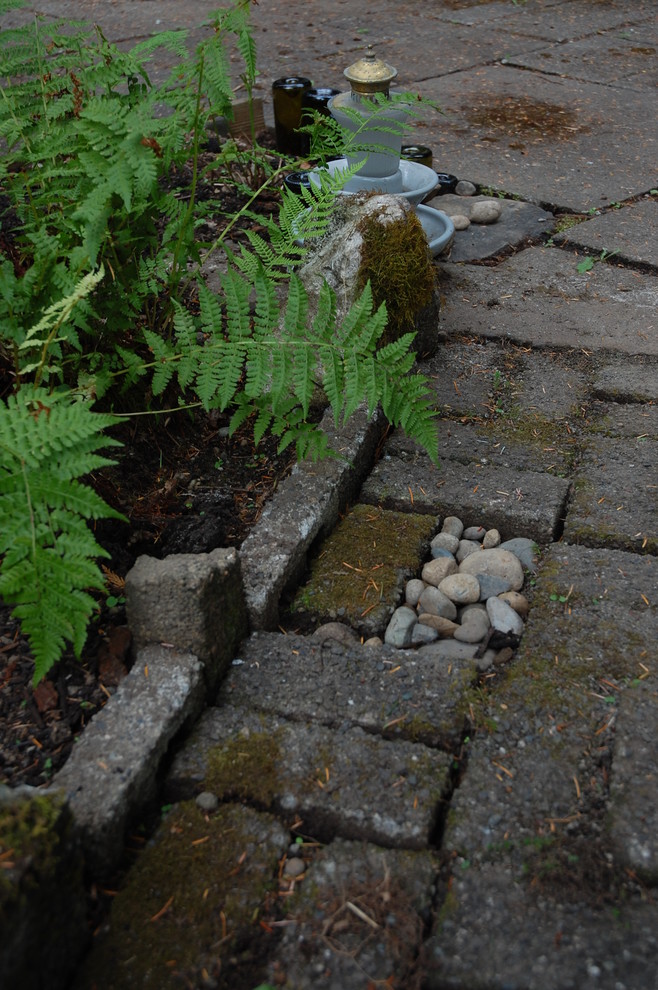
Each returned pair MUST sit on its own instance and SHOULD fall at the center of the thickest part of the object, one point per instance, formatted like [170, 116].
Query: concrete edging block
[305, 508]
[193, 602]
[111, 774]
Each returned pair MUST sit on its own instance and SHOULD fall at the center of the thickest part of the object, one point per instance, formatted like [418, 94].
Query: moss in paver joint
[361, 567]
[247, 768]
[190, 900]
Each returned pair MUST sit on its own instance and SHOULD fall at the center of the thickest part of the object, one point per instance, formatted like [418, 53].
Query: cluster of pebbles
[470, 591]
[465, 208]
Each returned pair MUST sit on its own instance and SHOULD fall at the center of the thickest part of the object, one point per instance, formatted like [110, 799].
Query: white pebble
[485, 211]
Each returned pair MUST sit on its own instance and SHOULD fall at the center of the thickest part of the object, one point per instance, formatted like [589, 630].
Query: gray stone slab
[345, 783]
[527, 831]
[357, 918]
[394, 693]
[616, 420]
[516, 502]
[552, 386]
[495, 930]
[633, 782]
[630, 232]
[645, 80]
[563, 142]
[615, 495]
[305, 507]
[618, 56]
[519, 224]
[627, 381]
[543, 301]
[463, 373]
[514, 441]
[111, 774]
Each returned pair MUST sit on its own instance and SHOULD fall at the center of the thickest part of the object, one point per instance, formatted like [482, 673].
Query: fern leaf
[258, 371]
[303, 371]
[296, 308]
[236, 297]
[325, 316]
[332, 377]
[47, 441]
[211, 311]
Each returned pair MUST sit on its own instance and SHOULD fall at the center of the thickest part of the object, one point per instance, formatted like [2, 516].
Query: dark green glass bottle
[287, 95]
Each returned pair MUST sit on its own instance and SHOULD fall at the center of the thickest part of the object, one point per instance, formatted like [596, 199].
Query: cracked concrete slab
[555, 20]
[618, 57]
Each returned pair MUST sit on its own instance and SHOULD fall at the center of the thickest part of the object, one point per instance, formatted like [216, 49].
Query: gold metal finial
[370, 74]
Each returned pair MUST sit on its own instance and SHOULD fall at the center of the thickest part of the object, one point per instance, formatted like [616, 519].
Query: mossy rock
[397, 263]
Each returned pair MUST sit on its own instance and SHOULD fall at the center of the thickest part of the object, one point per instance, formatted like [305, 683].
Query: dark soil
[185, 486]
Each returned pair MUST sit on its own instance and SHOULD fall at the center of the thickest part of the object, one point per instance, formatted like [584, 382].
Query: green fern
[48, 553]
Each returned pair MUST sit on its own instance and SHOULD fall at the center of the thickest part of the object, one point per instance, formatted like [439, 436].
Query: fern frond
[47, 441]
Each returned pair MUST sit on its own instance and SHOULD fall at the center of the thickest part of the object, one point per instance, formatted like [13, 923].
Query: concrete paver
[564, 142]
[627, 54]
[346, 783]
[632, 236]
[537, 792]
[517, 503]
[615, 495]
[393, 693]
[362, 912]
[538, 298]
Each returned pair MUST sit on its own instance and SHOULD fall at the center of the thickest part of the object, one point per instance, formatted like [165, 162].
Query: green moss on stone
[192, 898]
[359, 571]
[547, 438]
[246, 768]
[397, 263]
[30, 833]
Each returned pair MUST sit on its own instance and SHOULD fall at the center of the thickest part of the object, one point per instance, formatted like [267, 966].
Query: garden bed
[185, 487]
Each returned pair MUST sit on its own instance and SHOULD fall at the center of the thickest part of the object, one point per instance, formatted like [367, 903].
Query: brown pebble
[503, 655]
